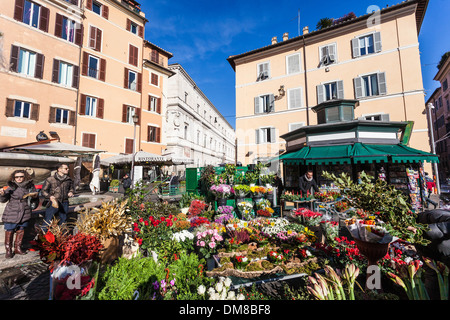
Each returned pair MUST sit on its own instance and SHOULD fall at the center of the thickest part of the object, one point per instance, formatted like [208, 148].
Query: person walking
[57, 189]
[18, 193]
[173, 183]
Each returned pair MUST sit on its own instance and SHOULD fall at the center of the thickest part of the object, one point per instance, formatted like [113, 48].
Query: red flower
[49, 237]
[146, 222]
[140, 241]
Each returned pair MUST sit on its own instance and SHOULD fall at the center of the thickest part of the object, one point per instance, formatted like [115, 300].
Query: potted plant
[207, 243]
[114, 186]
[222, 192]
[240, 191]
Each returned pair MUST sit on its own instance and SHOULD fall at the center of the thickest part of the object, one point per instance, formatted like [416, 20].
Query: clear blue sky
[203, 34]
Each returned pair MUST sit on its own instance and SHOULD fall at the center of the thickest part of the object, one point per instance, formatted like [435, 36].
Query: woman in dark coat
[18, 194]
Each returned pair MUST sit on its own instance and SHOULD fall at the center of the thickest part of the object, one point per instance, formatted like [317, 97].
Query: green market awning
[359, 152]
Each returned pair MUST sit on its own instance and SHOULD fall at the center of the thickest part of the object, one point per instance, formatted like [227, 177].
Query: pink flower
[212, 245]
[202, 243]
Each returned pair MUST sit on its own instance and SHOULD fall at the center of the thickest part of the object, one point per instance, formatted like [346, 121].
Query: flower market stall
[132, 249]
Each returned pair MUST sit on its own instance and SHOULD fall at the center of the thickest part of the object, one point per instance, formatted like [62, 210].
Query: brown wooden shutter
[128, 146]
[92, 141]
[148, 133]
[18, 10]
[128, 24]
[139, 113]
[105, 11]
[59, 25]
[88, 140]
[102, 75]
[55, 74]
[79, 35]
[9, 110]
[154, 79]
[141, 31]
[124, 113]
[131, 54]
[89, 4]
[158, 135]
[39, 72]
[44, 18]
[34, 112]
[76, 77]
[52, 115]
[14, 62]
[100, 108]
[85, 65]
[82, 110]
[158, 105]
[72, 117]
[92, 37]
[136, 56]
[139, 82]
[98, 44]
[125, 79]
[85, 140]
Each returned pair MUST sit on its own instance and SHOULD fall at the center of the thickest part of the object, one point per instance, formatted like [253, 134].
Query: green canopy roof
[359, 152]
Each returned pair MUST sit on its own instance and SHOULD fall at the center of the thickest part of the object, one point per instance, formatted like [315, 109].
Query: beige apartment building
[374, 59]
[111, 81]
[154, 98]
[39, 69]
[440, 117]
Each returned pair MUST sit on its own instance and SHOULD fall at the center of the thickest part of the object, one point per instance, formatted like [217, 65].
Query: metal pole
[134, 152]
[433, 148]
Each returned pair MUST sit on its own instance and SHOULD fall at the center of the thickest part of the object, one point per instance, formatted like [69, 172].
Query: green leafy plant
[384, 201]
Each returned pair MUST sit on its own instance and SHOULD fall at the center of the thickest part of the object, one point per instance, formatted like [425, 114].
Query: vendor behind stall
[307, 183]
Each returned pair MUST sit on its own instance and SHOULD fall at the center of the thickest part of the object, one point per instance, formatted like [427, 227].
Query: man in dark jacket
[308, 184]
[57, 189]
[126, 182]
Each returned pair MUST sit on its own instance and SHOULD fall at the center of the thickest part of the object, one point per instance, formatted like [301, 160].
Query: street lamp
[135, 119]
[433, 148]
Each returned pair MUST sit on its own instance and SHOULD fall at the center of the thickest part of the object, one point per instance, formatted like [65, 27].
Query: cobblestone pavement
[30, 281]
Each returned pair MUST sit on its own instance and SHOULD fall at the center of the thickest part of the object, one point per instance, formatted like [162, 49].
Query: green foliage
[378, 196]
[189, 275]
[324, 23]
[121, 280]
[114, 183]
[187, 198]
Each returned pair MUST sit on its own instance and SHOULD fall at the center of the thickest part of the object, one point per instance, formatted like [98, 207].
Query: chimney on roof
[306, 30]
[285, 36]
[274, 40]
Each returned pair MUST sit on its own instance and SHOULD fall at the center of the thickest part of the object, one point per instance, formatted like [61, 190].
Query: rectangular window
[294, 98]
[62, 116]
[133, 55]
[370, 85]
[445, 85]
[328, 54]
[27, 62]
[265, 104]
[93, 67]
[31, 13]
[133, 28]
[154, 104]
[91, 107]
[154, 79]
[330, 91]
[65, 74]
[153, 134]
[293, 63]
[130, 113]
[263, 71]
[95, 38]
[132, 80]
[265, 135]
[68, 29]
[22, 109]
[88, 140]
[367, 44]
[295, 126]
[97, 7]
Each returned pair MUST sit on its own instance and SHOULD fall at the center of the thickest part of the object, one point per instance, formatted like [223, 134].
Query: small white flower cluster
[276, 226]
[220, 291]
[182, 236]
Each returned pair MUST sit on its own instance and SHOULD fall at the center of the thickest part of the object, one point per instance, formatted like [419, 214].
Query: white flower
[227, 282]
[223, 295]
[201, 290]
[408, 260]
[211, 291]
[240, 296]
[219, 286]
[214, 296]
[231, 295]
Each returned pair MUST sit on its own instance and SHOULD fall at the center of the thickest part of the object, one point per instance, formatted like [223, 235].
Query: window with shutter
[366, 44]
[31, 14]
[95, 38]
[370, 85]
[263, 71]
[133, 55]
[294, 98]
[129, 146]
[293, 63]
[91, 107]
[265, 103]
[154, 79]
[88, 140]
[59, 115]
[22, 109]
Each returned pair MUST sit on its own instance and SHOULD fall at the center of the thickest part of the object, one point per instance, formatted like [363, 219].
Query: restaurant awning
[358, 152]
[57, 149]
[140, 157]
